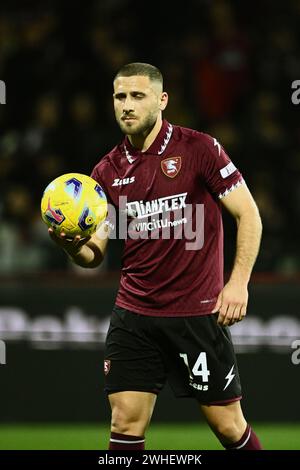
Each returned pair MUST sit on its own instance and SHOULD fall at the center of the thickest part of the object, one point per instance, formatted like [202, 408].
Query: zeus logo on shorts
[199, 370]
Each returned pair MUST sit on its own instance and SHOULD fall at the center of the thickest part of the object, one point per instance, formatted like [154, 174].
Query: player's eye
[120, 96]
[138, 96]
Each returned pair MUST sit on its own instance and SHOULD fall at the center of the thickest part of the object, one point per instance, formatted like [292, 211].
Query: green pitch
[160, 436]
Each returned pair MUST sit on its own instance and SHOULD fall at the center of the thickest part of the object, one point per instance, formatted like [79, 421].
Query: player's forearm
[249, 230]
[88, 256]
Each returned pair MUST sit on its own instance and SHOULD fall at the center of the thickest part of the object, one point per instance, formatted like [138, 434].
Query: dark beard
[144, 127]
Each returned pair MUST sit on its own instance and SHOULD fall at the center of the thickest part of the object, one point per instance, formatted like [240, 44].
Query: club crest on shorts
[106, 366]
[171, 166]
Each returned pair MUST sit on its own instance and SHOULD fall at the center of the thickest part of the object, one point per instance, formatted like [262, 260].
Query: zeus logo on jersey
[122, 182]
[157, 206]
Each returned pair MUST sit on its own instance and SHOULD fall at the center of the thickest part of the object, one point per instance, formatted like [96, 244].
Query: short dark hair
[140, 68]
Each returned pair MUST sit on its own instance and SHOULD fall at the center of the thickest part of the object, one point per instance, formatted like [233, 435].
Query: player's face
[137, 103]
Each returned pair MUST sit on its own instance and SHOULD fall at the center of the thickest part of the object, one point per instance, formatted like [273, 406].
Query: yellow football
[74, 204]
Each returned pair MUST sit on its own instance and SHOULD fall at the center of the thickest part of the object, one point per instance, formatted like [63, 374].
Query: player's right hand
[71, 245]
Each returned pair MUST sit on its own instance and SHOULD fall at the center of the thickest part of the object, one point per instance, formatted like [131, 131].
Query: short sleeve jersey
[172, 263]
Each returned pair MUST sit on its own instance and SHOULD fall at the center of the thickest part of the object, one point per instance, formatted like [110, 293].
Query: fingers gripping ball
[74, 204]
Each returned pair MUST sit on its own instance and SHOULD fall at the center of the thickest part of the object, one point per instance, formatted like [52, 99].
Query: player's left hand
[232, 303]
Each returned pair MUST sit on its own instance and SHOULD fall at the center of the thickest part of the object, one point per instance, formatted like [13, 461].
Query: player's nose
[128, 106]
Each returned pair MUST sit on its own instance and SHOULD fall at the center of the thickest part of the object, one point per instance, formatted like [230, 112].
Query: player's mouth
[128, 118]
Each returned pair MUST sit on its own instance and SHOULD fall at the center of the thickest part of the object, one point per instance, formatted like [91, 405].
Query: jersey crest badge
[171, 166]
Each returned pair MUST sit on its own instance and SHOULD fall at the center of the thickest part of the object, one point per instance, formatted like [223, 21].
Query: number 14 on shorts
[199, 369]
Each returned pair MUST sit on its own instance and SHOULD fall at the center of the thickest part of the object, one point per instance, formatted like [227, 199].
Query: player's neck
[144, 141]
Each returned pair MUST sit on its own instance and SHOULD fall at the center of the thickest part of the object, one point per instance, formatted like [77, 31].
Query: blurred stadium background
[228, 68]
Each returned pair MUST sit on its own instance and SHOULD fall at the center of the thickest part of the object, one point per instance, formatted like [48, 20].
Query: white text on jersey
[122, 182]
[157, 206]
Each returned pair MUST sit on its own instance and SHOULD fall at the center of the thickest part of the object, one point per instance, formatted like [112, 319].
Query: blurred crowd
[228, 69]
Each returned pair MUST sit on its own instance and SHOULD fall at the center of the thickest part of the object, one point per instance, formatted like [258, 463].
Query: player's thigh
[132, 407]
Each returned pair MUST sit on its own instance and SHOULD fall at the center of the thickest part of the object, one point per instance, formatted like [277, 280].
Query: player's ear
[163, 100]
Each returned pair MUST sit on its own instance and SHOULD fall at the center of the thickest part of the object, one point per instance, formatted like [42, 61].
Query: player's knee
[229, 431]
[127, 421]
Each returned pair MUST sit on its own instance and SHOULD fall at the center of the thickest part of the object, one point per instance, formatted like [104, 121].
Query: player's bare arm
[232, 300]
[86, 252]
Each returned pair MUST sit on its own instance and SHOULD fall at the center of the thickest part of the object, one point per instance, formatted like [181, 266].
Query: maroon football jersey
[172, 263]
